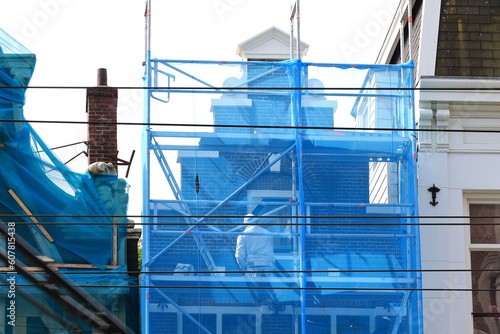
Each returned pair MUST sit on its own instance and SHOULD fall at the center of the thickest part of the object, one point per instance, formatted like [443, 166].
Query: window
[206, 320]
[239, 323]
[485, 257]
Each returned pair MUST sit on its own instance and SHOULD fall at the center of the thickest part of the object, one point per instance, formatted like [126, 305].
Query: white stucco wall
[464, 165]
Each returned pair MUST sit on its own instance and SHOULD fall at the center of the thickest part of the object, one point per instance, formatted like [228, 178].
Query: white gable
[272, 43]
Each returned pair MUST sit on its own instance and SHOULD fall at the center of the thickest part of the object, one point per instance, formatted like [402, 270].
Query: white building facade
[454, 45]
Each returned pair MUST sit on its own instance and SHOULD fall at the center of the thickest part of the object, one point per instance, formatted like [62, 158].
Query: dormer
[272, 44]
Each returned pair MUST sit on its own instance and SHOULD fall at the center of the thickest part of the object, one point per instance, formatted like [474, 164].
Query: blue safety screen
[280, 197]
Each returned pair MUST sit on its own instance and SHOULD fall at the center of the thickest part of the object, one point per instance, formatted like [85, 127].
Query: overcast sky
[73, 38]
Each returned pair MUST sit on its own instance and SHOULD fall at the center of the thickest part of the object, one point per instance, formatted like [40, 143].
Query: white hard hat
[247, 218]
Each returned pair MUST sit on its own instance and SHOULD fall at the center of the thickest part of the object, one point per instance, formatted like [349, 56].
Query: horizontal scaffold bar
[288, 235]
[245, 203]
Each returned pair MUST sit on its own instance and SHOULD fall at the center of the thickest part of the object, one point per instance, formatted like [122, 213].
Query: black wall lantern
[434, 190]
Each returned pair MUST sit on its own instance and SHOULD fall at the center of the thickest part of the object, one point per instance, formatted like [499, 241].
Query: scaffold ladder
[200, 242]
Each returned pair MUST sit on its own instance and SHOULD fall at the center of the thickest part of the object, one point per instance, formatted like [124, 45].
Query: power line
[362, 205]
[373, 224]
[314, 217]
[225, 89]
[264, 224]
[340, 271]
[237, 126]
[246, 287]
[457, 220]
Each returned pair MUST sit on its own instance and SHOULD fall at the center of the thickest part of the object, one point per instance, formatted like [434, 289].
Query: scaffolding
[322, 155]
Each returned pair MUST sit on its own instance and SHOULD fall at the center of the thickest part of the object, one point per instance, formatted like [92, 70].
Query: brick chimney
[102, 104]
[102, 130]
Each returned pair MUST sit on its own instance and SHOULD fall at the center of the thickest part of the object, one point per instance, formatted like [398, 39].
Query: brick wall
[326, 181]
[469, 38]
[102, 130]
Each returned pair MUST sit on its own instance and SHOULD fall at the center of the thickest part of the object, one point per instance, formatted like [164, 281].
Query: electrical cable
[225, 287]
[457, 217]
[205, 272]
[253, 126]
[236, 224]
[270, 224]
[190, 88]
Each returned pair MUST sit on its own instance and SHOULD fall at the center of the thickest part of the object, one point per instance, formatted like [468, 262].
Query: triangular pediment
[271, 44]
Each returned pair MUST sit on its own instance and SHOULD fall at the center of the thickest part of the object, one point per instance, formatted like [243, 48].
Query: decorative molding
[425, 123]
[434, 118]
[442, 120]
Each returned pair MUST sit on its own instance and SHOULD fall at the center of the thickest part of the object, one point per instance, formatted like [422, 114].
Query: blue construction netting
[322, 156]
[61, 213]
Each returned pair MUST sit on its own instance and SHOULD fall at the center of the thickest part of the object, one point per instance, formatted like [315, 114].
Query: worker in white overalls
[255, 249]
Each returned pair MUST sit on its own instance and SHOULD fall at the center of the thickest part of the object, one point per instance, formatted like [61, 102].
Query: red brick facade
[102, 129]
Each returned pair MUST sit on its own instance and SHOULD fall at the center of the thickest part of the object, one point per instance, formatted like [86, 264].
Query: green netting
[65, 216]
[46, 187]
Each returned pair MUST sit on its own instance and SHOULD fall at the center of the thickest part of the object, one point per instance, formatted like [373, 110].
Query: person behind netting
[255, 249]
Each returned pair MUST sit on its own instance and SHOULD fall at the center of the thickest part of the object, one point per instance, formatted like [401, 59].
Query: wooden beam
[28, 212]
[56, 266]
[45, 259]
[27, 268]
[79, 266]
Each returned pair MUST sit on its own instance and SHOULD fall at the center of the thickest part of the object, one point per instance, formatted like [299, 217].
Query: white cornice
[460, 89]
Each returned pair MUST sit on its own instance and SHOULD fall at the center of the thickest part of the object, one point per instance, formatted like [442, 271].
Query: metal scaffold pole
[147, 15]
[297, 122]
[292, 33]
[146, 165]
[410, 28]
[295, 43]
[297, 18]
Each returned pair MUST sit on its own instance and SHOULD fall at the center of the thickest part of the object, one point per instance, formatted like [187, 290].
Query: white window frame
[485, 197]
